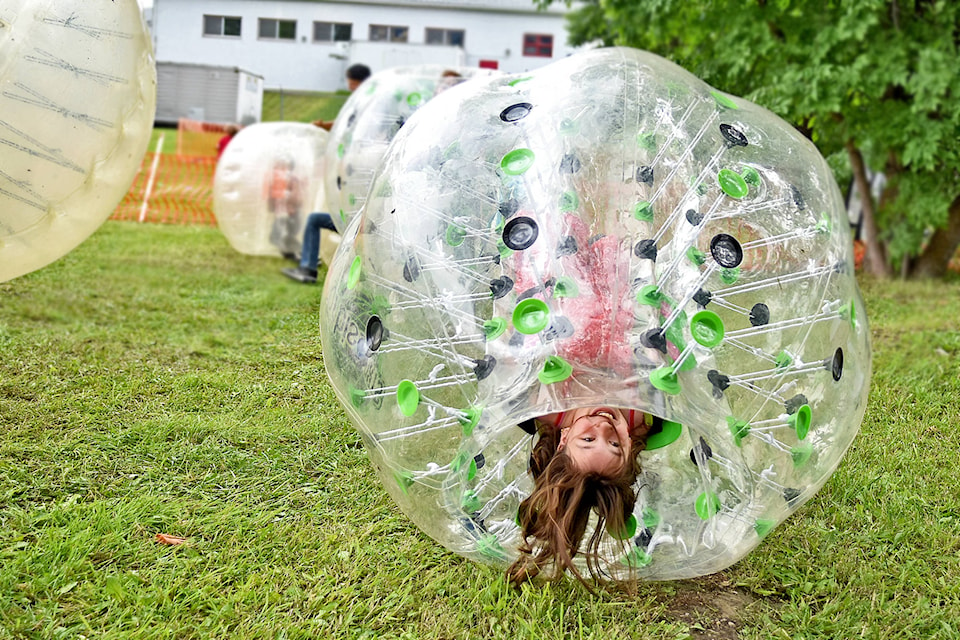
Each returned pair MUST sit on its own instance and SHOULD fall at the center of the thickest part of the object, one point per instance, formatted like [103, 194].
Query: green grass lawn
[155, 381]
[169, 144]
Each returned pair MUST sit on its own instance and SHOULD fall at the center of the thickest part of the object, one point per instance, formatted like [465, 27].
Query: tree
[876, 81]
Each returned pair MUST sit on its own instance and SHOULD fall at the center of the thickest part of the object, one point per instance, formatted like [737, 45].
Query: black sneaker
[307, 276]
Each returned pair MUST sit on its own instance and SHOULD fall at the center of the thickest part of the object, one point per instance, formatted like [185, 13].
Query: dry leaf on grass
[166, 538]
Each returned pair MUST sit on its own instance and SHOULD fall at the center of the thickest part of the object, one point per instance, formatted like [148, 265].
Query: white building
[308, 44]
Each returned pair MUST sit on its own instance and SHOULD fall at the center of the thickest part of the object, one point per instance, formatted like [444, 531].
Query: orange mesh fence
[176, 188]
[181, 191]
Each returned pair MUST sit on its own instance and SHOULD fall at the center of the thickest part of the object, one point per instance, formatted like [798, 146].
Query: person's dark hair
[358, 72]
[556, 514]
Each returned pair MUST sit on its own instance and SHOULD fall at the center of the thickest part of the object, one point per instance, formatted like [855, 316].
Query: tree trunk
[933, 262]
[875, 260]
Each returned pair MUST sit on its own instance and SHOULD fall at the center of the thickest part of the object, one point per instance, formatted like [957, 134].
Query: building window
[271, 29]
[388, 33]
[452, 37]
[538, 45]
[221, 26]
[332, 31]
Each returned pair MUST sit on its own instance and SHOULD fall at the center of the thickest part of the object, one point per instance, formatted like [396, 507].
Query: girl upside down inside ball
[585, 460]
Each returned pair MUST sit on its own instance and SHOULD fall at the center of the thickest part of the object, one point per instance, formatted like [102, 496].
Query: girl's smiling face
[597, 439]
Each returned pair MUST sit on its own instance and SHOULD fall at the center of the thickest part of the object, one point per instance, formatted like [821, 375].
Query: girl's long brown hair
[556, 514]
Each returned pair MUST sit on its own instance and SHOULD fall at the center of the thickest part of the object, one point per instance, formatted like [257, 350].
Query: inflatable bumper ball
[367, 123]
[77, 97]
[605, 231]
[266, 185]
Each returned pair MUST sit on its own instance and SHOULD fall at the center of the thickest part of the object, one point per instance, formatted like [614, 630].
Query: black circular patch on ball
[733, 136]
[797, 197]
[719, 381]
[645, 175]
[567, 246]
[654, 339]
[508, 207]
[374, 333]
[759, 314]
[646, 250]
[411, 270]
[704, 449]
[790, 495]
[501, 286]
[793, 404]
[702, 297]
[643, 538]
[520, 233]
[836, 367]
[726, 250]
[570, 164]
[483, 367]
[516, 112]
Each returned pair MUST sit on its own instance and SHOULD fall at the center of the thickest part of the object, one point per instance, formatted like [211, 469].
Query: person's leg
[310, 256]
[325, 221]
[310, 250]
[311, 242]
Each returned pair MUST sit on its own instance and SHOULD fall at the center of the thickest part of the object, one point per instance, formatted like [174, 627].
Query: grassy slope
[297, 107]
[156, 381]
[302, 106]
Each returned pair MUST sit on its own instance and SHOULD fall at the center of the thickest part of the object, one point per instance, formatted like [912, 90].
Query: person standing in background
[356, 74]
[306, 271]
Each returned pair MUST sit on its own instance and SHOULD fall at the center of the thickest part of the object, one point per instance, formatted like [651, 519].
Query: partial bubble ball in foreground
[77, 98]
[267, 182]
[605, 231]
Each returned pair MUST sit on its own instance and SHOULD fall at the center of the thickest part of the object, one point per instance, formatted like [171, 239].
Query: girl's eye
[588, 438]
[615, 443]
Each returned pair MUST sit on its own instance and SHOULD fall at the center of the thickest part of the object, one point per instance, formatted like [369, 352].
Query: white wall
[249, 99]
[381, 55]
[305, 65]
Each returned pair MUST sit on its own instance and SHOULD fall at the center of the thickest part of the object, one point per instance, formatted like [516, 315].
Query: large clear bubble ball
[605, 231]
[369, 120]
[268, 180]
[77, 98]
